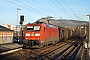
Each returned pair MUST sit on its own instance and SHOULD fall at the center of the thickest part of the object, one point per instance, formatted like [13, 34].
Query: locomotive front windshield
[33, 28]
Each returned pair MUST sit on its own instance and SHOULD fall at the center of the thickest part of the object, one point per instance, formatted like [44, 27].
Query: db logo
[32, 34]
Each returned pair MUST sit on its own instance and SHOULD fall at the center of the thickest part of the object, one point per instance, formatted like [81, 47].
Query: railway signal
[21, 23]
[22, 18]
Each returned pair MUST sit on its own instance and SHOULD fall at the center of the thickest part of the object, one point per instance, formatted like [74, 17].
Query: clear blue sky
[35, 9]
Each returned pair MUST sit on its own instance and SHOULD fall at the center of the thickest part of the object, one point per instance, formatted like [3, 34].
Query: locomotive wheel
[41, 45]
[53, 44]
[24, 46]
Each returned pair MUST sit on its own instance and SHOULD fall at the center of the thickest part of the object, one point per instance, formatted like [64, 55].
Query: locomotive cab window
[33, 28]
[29, 28]
[37, 28]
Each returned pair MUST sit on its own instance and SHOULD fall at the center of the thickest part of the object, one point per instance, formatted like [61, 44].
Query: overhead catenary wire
[68, 6]
[35, 5]
[23, 7]
[58, 6]
[63, 8]
[38, 6]
[20, 5]
[31, 7]
[46, 8]
[35, 10]
[71, 10]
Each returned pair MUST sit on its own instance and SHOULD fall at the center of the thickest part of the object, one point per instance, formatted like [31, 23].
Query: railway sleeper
[64, 51]
[74, 54]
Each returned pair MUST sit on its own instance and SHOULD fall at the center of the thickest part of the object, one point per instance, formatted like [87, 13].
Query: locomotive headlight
[27, 34]
[26, 38]
[37, 34]
[38, 38]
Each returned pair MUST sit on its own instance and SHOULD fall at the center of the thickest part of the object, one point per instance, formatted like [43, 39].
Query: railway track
[62, 50]
[54, 52]
[33, 54]
[67, 53]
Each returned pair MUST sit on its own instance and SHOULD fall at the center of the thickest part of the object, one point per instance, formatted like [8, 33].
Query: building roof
[2, 28]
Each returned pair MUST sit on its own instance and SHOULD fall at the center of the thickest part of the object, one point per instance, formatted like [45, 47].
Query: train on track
[41, 34]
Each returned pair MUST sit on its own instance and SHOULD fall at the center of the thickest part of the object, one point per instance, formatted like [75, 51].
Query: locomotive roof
[44, 24]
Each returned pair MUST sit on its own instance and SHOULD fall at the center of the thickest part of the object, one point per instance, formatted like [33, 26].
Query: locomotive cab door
[59, 33]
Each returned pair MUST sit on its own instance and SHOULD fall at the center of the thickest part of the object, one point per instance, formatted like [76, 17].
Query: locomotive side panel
[51, 36]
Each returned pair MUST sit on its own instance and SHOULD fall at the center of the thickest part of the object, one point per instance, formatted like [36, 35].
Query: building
[6, 35]
[11, 27]
[15, 28]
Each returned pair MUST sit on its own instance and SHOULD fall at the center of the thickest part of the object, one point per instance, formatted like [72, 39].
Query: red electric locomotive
[39, 35]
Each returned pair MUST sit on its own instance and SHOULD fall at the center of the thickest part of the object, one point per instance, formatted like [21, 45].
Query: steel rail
[64, 51]
[74, 54]
[40, 58]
